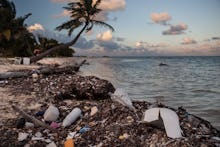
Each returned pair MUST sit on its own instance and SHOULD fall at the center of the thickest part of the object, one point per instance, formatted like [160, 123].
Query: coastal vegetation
[83, 15]
[16, 40]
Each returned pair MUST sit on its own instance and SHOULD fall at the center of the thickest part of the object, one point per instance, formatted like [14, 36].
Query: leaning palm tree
[83, 15]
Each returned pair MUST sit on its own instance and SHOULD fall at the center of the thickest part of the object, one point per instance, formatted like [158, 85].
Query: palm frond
[98, 2]
[69, 24]
[101, 23]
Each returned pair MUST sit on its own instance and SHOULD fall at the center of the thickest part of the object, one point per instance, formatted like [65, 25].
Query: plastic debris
[39, 113]
[122, 97]
[84, 129]
[29, 125]
[94, 110]
[71, 135]
[51, 114]
[20, 123]
[55, 125]
[26, 61]
[170, 120]
[52, 144]
[69, 143]
[71, 117]
[38, 134]
[22, 136]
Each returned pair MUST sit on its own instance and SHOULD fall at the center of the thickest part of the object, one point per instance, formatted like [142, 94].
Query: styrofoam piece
[71, 117]
[170, 120]
[51, 114]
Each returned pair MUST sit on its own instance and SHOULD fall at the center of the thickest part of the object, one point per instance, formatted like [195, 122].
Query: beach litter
[113, 124]
[51, 114]
[169, 119]
[122, 97]
[71, 117]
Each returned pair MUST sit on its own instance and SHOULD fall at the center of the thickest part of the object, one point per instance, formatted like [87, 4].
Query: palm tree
[15, 39]
[83, 15]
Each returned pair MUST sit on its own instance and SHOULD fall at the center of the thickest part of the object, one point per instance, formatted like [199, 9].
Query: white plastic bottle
[71, 117]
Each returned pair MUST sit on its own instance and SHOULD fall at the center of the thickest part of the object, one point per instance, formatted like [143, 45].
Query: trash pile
[116, 121]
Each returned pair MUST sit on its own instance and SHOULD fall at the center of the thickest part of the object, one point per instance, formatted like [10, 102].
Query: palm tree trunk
[59, 47]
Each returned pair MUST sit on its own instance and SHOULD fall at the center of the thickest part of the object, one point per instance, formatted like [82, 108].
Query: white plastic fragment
[122, 97]
[26, 61]
[47, 140]
[22, 136]
[38, 134]
[37, 138]
[52, 144]
[151, 114]
[94, 110]
[71, 117]
[171, 123]
[29, 125]
[71, 135]
[51, 114]
[170, 120]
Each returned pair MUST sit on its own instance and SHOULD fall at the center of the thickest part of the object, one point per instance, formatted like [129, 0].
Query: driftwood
[32, 119]
[71, 68]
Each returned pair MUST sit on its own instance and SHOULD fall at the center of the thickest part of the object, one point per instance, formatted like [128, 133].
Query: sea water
[191, 82]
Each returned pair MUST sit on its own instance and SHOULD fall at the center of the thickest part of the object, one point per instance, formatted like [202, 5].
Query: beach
[112, 119]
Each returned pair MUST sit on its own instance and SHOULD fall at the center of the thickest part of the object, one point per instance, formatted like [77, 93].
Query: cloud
[120, 39]
[112, 5]
[35, 27]
[146, 45]
[106, 5]
[65, 13]
[176, 29]
[160, 18]
[188, 40]
[102, 16]
[106, 36]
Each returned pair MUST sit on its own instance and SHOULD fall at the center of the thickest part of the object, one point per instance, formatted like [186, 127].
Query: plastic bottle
[71, 117]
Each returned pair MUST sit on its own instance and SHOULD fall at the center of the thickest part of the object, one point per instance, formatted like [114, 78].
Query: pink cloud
[160, 18]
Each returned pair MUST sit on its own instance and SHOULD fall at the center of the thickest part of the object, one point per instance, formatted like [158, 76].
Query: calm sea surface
[191, 82]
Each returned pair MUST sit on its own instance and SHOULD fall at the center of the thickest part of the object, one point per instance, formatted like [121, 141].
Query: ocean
[191, 82]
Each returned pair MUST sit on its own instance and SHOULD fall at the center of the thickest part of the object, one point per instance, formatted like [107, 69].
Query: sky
[142, 28]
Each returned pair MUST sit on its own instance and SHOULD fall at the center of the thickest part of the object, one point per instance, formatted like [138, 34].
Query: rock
[21, 123]
[22, 136]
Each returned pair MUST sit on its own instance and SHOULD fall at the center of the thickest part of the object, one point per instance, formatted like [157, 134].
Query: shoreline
[31, 97]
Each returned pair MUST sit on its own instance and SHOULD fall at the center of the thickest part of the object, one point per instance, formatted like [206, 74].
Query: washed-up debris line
[102, 123]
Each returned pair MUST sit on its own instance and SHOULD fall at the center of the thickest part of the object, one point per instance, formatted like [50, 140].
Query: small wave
[130, 60]
[205, 91]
